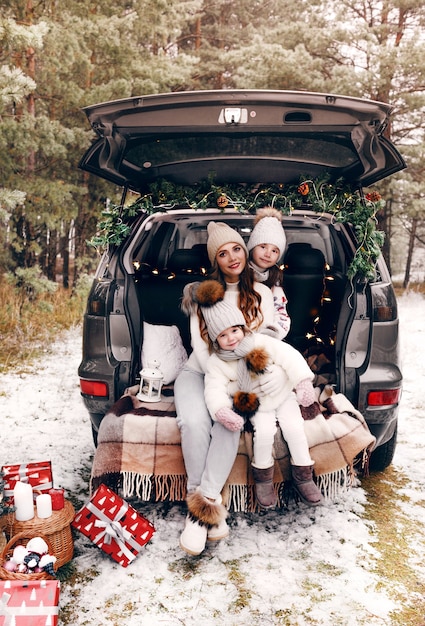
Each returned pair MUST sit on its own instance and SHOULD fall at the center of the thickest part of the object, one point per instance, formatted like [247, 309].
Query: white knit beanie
[217, 313]
[268, 229]
[219, 234]
[220, 316]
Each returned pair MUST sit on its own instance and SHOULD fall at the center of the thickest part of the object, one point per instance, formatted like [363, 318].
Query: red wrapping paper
[38, 475]
[113, 525]
[29, 603]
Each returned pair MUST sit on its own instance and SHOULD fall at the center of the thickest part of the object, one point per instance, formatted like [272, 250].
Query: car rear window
[334, 149]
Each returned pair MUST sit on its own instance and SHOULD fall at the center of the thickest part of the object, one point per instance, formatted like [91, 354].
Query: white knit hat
[268, 229]
[217, 313]
[221, 316]
[219, 234]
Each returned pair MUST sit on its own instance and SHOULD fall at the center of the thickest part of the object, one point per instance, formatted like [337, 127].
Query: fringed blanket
[139, 452]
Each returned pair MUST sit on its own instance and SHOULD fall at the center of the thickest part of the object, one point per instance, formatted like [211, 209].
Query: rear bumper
[384, 428]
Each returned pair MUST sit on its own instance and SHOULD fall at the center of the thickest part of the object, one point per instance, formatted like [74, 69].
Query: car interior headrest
[185, 260]
[301, 257]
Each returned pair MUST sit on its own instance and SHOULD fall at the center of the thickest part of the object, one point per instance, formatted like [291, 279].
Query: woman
[209, 450]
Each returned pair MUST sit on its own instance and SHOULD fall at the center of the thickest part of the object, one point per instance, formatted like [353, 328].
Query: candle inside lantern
[44, 505]
[58, 499]
[23, 501]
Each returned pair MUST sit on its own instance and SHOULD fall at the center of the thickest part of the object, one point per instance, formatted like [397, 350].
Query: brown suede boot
[305, 486]
[264, 490]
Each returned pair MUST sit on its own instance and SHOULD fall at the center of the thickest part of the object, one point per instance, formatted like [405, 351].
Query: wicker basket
[3, 540]
[56, 528]
[22, 539]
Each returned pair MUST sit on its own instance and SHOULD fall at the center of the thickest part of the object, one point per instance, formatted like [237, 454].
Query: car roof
[240, 136]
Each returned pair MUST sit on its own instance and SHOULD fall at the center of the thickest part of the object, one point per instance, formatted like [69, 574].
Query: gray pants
[209, 449]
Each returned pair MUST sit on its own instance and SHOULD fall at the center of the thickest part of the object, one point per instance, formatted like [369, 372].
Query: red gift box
[29, 603]
[38, 475]
[113, 525]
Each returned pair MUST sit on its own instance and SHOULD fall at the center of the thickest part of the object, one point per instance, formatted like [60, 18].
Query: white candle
[44, 505]
[23, 501]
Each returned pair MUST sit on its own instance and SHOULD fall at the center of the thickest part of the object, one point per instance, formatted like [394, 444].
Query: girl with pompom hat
[266, 246]
[238, 358]
[208, 448]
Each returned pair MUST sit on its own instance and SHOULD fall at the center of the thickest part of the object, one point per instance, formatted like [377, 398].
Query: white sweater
[200, 355]
[221, 376]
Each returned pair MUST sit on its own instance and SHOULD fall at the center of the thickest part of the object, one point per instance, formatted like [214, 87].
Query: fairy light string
[319, 195]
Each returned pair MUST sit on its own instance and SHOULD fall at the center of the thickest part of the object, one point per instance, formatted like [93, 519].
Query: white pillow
[164, 344]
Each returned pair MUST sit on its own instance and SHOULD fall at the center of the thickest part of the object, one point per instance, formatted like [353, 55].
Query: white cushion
[164, 344]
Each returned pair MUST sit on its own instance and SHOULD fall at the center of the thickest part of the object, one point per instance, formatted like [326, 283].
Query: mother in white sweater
[209, 448]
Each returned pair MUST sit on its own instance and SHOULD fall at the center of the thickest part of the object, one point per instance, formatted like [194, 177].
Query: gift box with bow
[38, 475]
[113, 525]
[29, 603]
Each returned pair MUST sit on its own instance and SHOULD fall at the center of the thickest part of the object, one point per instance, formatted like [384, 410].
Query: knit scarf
[260, 275]
[246, 345]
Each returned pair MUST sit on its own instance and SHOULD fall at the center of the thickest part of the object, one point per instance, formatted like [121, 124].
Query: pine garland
[321, 196]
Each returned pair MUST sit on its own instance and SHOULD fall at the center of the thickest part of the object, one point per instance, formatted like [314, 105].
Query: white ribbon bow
[112, 529]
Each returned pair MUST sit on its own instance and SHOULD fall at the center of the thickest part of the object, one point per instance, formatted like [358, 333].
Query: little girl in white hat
[238, 356]
[266, 246]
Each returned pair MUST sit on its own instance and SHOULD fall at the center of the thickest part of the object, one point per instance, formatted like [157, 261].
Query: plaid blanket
[139, 453]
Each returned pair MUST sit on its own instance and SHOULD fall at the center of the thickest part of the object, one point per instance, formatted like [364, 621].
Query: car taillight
[96, 304]
[384, 304]
[96, 307]
[384, 397]
[94, 388]
[384, 313]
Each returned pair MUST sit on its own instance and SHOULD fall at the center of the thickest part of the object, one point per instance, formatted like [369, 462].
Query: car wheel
[383, 455]
[94, 435]
[95, 419]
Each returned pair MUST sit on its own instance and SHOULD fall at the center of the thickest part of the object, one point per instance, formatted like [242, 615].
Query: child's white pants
[290, 420]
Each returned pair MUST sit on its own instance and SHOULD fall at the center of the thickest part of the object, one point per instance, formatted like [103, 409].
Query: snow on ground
[300, 567]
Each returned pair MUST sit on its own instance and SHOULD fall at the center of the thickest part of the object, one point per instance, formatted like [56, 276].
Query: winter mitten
[32, 560]
[229, 419]
[47, 563]
[305, 392]
[271, 381]
[271, 331]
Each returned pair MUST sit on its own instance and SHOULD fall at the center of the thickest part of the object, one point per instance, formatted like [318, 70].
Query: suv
[193, 157]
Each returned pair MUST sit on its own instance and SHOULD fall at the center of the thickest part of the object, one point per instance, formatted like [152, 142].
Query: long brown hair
[249, 300]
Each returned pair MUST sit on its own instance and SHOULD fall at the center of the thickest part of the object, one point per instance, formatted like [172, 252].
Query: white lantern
[151, 379]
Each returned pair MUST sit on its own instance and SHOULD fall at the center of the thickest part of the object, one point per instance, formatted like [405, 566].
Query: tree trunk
[384, 223]
[410, 252]
[64, 252]
[52, 250]
[85, 226]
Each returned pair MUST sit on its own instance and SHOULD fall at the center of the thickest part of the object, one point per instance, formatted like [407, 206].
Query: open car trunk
[171, 252]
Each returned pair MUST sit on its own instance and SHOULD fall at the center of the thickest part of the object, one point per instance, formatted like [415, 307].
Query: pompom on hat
[268, 229]
[217, 313]
[219, 234]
